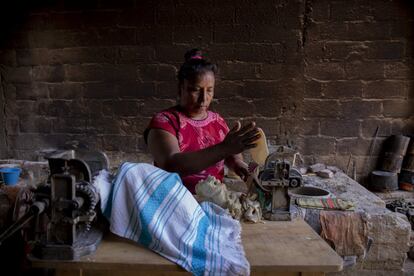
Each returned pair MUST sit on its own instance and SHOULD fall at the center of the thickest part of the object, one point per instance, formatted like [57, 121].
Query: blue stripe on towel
[125, 167]
[182, 240]
[212, 218]
[218, 244]
[132, 217]
[141, 192]
[215, 237]
[185, 258]
[191, 236]
[168, 209]
[199, 254]
[152, 205]
[139, 204]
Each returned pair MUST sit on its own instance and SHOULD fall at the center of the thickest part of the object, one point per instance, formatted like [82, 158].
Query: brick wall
[358, 77]
[318, 75]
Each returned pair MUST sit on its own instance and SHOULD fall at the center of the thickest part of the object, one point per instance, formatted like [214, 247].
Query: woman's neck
[201, 116]
[193, 116]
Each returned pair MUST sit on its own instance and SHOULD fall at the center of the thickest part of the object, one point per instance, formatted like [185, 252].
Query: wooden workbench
[288, 248]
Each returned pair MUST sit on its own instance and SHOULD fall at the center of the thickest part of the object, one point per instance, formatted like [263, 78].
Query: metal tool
[273, 181]
[63, 213]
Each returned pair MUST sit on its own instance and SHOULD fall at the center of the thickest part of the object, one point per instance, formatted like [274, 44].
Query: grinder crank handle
[37, 208]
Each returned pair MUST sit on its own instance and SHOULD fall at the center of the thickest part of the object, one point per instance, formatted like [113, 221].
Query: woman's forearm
[168, 156]
[185, 163]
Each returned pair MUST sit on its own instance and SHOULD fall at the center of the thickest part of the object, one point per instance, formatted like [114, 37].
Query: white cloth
[152, 207]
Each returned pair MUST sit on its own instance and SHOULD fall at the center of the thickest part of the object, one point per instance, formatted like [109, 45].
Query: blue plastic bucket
[10, 176]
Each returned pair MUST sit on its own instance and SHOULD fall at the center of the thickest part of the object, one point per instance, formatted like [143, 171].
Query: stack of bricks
[317, 75]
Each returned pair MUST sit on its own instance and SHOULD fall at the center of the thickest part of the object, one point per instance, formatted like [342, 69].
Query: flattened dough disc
[261, 151]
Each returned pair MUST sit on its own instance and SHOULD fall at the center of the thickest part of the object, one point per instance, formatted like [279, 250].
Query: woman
[192, 140]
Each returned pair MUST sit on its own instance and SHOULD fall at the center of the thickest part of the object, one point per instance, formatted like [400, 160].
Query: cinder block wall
[318, 75]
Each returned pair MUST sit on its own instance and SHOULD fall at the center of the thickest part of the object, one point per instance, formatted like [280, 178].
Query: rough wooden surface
[270, 247]
[288, 246]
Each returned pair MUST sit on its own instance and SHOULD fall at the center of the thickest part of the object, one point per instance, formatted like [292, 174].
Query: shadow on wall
[12, 15]
[15, 13]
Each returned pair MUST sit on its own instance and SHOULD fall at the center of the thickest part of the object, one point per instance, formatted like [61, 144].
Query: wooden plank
[116, 253]
[270, 246]
[69, 272]
[279, 273]
[288, 246]
[132, 273]
[160, 273]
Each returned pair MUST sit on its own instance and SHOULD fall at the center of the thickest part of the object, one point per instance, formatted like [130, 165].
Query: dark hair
[194, 65]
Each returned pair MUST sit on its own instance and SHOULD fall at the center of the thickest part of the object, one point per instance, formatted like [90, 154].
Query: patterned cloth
[326, 203]
[193, 135]
[152, 207]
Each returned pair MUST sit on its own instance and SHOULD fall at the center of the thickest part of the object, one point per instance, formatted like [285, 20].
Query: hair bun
[194, 65]
[193, 54]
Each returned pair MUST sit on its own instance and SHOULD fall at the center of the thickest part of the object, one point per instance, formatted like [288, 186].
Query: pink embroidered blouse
[193, 135]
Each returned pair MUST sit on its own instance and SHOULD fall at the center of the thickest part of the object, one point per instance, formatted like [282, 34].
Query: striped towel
[152, 207]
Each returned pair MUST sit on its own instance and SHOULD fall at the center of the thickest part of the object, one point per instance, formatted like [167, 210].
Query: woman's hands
[241, 138]
[238, 140]
[240, 168]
